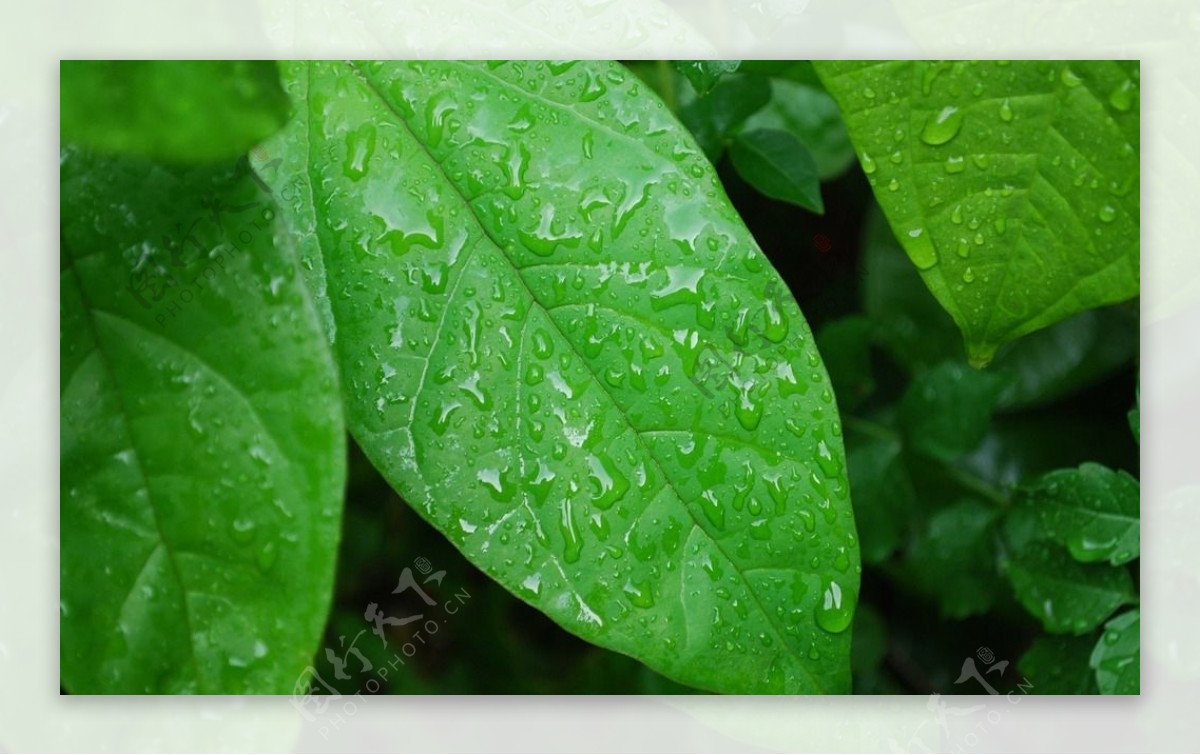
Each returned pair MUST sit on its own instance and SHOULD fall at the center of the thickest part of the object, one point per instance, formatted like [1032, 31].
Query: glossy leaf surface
[562, 346]
[779, 166]
[181, 111]
[1093, 511]
[1065, 595]
[1117, 655]
[202, 439]
[1013, 186]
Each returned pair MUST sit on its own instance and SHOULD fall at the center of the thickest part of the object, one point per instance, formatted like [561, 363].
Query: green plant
[524, 291]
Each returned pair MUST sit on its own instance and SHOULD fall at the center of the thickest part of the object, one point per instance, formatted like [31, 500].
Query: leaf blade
[1008, 242]
[182, 111]
[206, 482]
[779, 166]
[601, 536]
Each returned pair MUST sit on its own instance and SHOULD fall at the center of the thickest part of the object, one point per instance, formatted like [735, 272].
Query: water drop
[920, 249]
[1108, 214]
[1006, 113]
[942, 126]
[836, 609]
[1123, 96]
[868, 165]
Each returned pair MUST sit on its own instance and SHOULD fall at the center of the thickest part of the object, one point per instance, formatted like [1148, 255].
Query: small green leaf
[945, 412]
[181, 111]
[704, 74]
[809, 114]
[1117, 656]
[714, 118]
[1066, 596]
[846, 346]
[203, 451]
[1059, 666]
[575, 362]
[953, 559]
[779, 166]
[1013, 186]
[1093, 511]
[884, 498]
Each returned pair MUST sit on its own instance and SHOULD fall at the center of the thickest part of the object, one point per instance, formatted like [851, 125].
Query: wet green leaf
[704, 74]
[1013, 187]
[808, 113]
[945, 412]
[1066, 596]
[1117, 655]
[1093, 511]
[574, 361]
[1059, 666]
[779, 166]
[203, 450]
[953, 559]
[181, 111]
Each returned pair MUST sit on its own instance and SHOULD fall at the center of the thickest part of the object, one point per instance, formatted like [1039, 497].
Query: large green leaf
[1117, 655]
[1013, 186]
[1093, 510]
[202, 445]
[175, 110]
[562, 346]
[1065, 595]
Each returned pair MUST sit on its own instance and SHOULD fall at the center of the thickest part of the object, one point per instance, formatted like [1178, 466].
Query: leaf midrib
[770, 621]
[89, 312]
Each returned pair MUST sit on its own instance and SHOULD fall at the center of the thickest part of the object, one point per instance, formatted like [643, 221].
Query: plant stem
[666, 81]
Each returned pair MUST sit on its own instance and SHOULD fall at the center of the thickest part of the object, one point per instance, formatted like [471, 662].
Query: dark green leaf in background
[1059, 666]
[846, 346]
[953, 560]
[946, 411]
[565, 350]
[714, 118]
[1117, 656]
[1093, 511]
[1066, 596]
[704, 74]
[779, 166]
[203, 450]
[883, 494]
[808, 113]
[1013, 186]
[181, 111]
